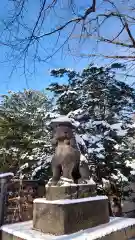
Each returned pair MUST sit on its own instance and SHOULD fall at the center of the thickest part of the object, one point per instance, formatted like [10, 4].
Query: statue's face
[63, 132]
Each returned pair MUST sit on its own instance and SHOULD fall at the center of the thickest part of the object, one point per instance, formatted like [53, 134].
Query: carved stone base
[68, 216]
[73, 191]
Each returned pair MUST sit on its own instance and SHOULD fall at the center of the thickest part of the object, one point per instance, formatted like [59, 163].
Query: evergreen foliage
[103, 108]
[24, 139]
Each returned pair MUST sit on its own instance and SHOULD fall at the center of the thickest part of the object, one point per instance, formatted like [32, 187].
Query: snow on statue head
[66, 159]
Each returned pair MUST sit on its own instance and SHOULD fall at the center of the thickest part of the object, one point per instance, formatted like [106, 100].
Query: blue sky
[41, 78]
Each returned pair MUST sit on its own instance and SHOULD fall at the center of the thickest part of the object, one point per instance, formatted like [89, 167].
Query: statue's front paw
[52, 182]
[82, 181]
[65, 181]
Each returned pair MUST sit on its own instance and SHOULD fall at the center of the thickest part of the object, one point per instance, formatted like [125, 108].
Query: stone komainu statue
[66, 159]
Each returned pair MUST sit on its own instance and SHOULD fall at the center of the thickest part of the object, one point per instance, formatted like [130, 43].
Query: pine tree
[24, 135]
[104, 107]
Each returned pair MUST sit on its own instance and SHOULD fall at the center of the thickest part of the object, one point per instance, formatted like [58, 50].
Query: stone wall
[20, 196]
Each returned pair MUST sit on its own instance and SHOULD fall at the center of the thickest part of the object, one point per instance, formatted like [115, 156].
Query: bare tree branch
[76, 20]
[83, 23]
[102, 39]
[129, 33]
[109, 56]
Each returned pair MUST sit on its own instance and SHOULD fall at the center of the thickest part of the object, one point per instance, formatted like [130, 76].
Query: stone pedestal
[115, 229]
[68, 216]
[73, 191]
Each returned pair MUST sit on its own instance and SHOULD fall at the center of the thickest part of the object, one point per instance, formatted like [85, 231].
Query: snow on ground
[24, 230]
